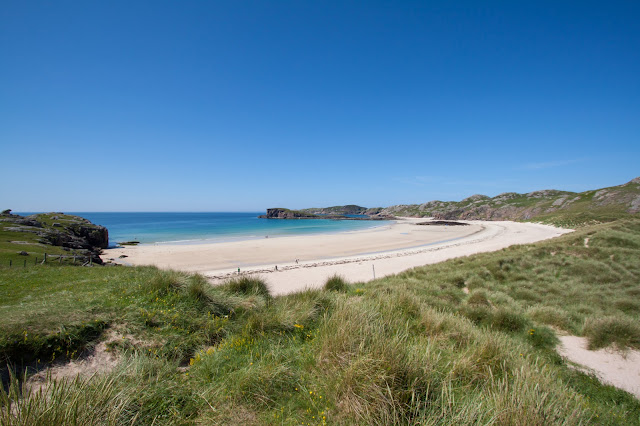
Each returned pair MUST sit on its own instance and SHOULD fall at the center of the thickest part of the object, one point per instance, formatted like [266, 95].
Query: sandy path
[615, 368]
[356, 255]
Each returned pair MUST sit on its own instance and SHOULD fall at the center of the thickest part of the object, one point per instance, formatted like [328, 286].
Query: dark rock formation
[280, 213]
[69, 232]
[443, 222]
[350, 209]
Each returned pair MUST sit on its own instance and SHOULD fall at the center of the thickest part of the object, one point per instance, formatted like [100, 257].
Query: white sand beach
[620, 369]
[356, 255]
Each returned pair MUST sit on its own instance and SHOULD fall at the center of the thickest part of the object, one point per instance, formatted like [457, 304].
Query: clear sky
[244, 105]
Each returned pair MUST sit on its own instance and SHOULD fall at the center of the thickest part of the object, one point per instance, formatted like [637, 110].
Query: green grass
[336, 283]
[407, 349]
[621, 331]
[14, 242]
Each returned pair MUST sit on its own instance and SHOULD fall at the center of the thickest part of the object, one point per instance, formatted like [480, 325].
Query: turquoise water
[211, 227]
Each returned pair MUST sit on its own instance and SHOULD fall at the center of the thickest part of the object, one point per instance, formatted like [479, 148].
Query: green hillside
[563, 208]
[24, 241]
[557, 207]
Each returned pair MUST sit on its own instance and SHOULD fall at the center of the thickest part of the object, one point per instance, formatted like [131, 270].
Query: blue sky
[242, 105]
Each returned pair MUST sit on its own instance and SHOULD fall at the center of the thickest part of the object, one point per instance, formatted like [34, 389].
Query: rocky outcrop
[58, 229]
[94, 235]
[280, 213]
[350, 209]
[443, 223]
[506, 206]
[513, 206]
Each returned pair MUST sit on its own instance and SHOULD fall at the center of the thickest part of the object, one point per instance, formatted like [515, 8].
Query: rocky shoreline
[282, 213]
[62, 230]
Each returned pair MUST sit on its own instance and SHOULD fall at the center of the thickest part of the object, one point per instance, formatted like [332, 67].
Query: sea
[194, 228]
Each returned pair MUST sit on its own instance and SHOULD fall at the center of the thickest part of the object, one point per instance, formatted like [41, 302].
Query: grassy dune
[468, 341]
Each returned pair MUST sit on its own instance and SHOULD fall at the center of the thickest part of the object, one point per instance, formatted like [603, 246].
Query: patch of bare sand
[620, 369]
[100, 360]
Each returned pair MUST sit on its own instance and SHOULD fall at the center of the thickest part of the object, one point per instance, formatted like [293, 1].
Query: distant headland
[582, 207]
[73, 234]
[333, 213]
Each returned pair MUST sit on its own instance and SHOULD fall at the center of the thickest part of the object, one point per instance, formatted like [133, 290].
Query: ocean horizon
[209, 227]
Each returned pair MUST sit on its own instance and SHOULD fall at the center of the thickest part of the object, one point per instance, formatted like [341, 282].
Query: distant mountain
[564, 207]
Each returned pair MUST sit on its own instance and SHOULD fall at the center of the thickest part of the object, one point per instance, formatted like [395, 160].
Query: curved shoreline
[494, 236]
[237, 237]
[307, 261]
[198, 257]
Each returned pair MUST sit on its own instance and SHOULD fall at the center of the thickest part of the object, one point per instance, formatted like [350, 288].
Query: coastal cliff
[56, 229]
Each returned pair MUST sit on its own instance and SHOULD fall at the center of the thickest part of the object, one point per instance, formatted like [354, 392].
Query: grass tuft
[336, 283]
[248, 286]
[552, 316]
[508, 320]
[612, 330]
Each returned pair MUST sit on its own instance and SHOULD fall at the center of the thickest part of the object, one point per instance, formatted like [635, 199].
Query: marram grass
[414, 348]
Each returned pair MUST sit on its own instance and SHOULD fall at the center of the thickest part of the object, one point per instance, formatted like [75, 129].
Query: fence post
[60, 259]
[10, 263]
[74, 260]
[35, 261]
[45, 258]
[25, 263]
[90, 260]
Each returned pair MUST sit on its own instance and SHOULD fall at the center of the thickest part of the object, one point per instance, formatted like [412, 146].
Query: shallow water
[211, 227]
